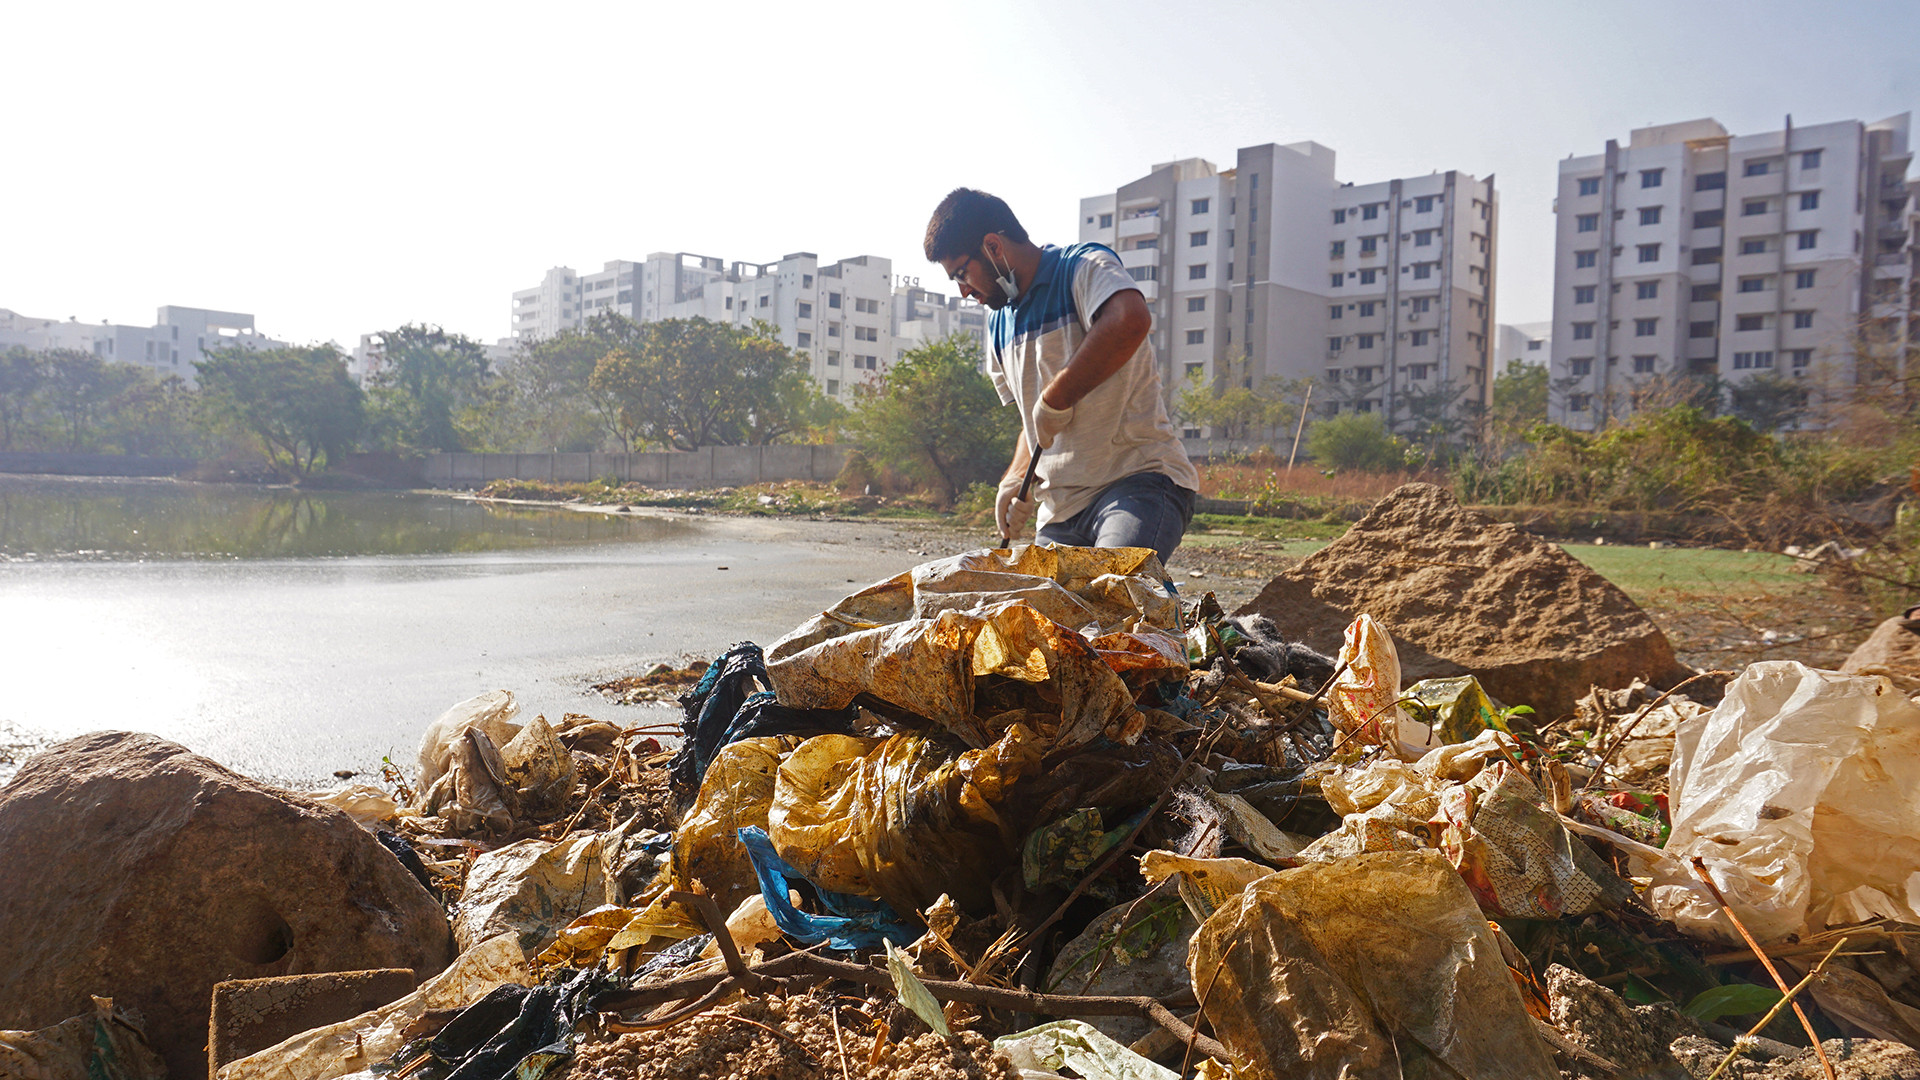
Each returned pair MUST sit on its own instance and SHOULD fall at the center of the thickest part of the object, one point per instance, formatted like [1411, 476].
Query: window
[1423, 205]
[833, 299]
[833, 329]
[1808, 240]
[1709, 219]
[1744, 361]
[1583, 294]
[1809, 159]
[1370, 211]
[1579, 402]
[803, 340]
[1197, 239]
[1704, 255]
[1423, 270]
[1583, 331]
[1589, 185]
[1646, 290]
[1534, 345]
[1643, 365]
[1256, 182]
[1646, 327]
[1146, 243]
[1803, 279]
[1335, 311]
[1703, 294]
[1756, 168]
[1337, 279]
[1199, 206]
[1196, 303]
[1106, 221]
[1366, 341]
[1800, 358]
[1196, 371]
[1649, 252]
[833, 357]
[1650, 215]
[1753, 207]
[1754, 246]
[1340, 217]
[806, 281]
[1364, 374]
[1339, 250]
[1750, 322]
[1753, 284]
[764, 300]
[1333, 374]
[1584, 260]
[1253, 248]
[1701, 329]
[1587, 222]
[1253, 212]
[868, 307]
[1650, 177]
[1809, 200]
[1424, 304]
[1581, 366]
[729, 304]
[1420, 337]
[833, 387]
[871, 363]
[1710, 181]
[1368, 244]
[1196, 337]
[803, 310]
[1419, 372]
[1197, 272]
[1367, 277]
[1423, 237]
[1803, 320]
[1367, 308]
[1144, 273]
[866, 333]
[1333, 343]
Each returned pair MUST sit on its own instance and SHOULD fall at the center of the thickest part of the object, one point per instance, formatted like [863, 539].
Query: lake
[290, 634]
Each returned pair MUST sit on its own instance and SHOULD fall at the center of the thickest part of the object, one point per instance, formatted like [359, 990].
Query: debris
[1893, 650]
[250, 1015]
[106, 1042]
[152, 873]
[533, 888]
[1076, 1045]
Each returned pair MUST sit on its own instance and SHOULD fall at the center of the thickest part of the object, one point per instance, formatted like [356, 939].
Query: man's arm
[1118, 328]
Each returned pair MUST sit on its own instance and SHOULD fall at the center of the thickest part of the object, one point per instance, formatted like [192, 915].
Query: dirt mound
[1463, 593]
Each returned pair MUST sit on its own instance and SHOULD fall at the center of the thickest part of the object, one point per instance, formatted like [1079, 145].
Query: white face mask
[1004, 279]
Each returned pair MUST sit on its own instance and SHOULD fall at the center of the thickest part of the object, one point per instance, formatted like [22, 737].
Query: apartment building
[1694, 252]
[840, 316]
[178, 338]
[921, 316]
[1381, 293]
[1529, 343]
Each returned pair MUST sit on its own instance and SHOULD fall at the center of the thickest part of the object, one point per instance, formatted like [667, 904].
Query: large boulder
[1462, 593]
[137, 870]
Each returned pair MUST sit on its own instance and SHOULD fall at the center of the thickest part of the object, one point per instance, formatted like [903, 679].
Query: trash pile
[1029, 813]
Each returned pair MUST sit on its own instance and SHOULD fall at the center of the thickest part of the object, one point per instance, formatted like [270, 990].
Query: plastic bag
[479, 770]
[490, 713]
[1205, 884]
[1136, 948]
[904, 819]
[736, 794]
[105, 1043]
[533, 888]
[1374, 967]
[365, 804]
[1073, 1044]
[851, 924]
[372, 1037]
[1797, 791]
[1460, 708]
[1369, 682]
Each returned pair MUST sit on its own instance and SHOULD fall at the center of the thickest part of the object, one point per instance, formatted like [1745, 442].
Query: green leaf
[913, 993]
[1733, 999]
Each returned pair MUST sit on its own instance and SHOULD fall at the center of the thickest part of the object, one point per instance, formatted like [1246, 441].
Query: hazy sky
[343, 167]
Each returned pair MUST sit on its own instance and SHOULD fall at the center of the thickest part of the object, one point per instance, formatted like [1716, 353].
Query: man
[1067, 344]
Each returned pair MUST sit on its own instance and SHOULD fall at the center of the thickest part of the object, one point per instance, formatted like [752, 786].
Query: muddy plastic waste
[534, 888]
[1379, 965]
[364, 803]
[1139, 947]
[481, 771]
[1040, 1052]
[730, 703]
[1787, 792]
[358, 1044]
[1457, 708]
[107, 1044]
[518, 1032]
[736, 794]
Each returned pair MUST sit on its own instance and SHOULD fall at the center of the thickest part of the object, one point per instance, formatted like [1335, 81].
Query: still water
[290, 634]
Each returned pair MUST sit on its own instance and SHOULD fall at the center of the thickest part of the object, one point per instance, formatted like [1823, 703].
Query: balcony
[1144, 225]
[1140, 257]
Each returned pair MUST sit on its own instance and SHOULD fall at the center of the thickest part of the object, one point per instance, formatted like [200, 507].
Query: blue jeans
[1144, 510]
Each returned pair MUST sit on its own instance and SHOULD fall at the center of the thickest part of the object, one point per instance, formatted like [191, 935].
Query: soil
[735, 1041]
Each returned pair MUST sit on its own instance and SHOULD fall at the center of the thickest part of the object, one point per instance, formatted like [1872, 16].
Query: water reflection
[110, 519]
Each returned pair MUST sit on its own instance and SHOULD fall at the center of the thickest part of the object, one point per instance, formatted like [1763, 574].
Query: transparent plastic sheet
[736, 793]
[904, 818]
[366, 1040]
[1375, 967]
[1039, 1053]
[491, 713]
[479, 770]
[104, 1044]
[1796, 790]
[365, 804]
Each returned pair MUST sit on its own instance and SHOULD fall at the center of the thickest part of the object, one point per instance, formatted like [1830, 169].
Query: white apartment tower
[178, 338]
[1693, 252]
[1382, 293]
[839, 316]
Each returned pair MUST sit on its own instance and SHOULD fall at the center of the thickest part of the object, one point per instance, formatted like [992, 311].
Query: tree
[1519, 397]
[1356, 441]
[689, 383]
[936, 418]
[1238, 409]
[22, 374]
[1767, 401]
[299, 401]
[428, 380]
[83, 390]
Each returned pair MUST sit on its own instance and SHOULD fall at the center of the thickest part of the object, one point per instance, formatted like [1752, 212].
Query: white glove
[1010, 511]
[1049, 422]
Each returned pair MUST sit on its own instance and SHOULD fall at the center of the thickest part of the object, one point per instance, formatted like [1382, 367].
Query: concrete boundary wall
[709, 467]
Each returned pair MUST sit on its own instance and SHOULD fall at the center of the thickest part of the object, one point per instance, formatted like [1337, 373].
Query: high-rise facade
[1693, 252]
[178, 338]
[1381, 293]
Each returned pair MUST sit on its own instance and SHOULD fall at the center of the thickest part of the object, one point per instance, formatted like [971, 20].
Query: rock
[1853, 1059]
[250, 1015]
[1892, 650]
[1460, 594]
[138, 870]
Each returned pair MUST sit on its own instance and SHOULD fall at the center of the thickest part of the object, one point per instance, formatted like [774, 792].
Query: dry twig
[1700, 871]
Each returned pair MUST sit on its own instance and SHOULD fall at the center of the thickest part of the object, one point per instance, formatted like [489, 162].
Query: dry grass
[1256, 478]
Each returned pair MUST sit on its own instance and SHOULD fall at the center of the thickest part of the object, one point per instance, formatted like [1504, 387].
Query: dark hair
[964, 218]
